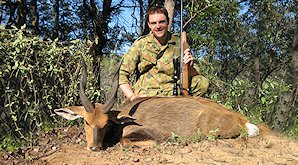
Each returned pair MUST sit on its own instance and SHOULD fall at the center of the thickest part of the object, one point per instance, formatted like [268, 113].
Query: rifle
[184, 83]
[184, 89]
[184, 68]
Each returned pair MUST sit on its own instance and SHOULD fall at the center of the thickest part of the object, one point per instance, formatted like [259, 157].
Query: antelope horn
[110, 103]
[85, 101]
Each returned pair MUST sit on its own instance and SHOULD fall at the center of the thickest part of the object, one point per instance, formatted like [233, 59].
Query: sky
[126, 19]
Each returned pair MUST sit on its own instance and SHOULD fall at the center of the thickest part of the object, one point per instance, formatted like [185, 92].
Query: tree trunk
[103, 26]
[287, 112]
[170, 6]
[21, 13]
[255, 75]
[35, 17]
[100, 27]
[294, 63]
[142, 22]
[1, 15]
[100, 22]
[12, 9]
[56, 20]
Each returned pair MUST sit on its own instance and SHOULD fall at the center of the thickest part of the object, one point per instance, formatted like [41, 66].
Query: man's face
[158, 24]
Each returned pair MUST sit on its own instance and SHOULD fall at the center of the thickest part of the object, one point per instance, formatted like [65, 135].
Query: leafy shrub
[265, 106]
[36, 77]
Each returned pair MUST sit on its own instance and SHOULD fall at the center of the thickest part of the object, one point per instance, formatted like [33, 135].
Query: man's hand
[127, 91]
[135, 97]
[187, 57]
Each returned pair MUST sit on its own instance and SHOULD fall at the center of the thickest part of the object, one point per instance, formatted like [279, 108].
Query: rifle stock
[184, 67]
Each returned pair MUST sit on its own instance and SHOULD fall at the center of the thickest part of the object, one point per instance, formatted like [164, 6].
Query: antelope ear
[69, 113]
[125, 119]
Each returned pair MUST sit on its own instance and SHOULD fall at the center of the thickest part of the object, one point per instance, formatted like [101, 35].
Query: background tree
[55, 19]
[34, 18]
[170, 6]
[288, 106]
[21, 13]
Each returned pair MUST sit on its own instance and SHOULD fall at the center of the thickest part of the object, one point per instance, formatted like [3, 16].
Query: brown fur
[184, 116]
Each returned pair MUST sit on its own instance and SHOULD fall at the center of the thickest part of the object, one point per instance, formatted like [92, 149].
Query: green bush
[265, 107]
[36, 77]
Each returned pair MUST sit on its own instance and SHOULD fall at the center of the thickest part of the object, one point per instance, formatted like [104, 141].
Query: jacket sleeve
[129, 63]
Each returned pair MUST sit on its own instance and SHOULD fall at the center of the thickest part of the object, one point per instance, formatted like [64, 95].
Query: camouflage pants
[199, 85]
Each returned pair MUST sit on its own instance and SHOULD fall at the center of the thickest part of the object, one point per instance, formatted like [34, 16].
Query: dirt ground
[67, 146]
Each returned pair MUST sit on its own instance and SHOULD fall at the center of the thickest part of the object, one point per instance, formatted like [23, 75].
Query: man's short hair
[157, 9]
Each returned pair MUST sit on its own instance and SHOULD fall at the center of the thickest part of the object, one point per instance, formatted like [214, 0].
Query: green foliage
[265, 107]
[196, 137]
[36, 77]
[9, 143]
[244, 134]
[244, 49]
[213, 134]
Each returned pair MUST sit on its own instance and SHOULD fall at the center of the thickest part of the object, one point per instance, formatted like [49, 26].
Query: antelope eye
[87, 123]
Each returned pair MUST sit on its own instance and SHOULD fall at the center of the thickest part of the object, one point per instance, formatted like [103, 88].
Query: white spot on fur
[91, 148]
[252, 130]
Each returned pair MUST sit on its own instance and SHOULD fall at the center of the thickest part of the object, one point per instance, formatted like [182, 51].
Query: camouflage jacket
[153, 64]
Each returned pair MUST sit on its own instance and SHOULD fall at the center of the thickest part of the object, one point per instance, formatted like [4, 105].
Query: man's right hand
[134, 97]
[127, 91]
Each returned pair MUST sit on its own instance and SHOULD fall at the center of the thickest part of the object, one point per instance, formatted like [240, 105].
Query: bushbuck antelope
[154, 119]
